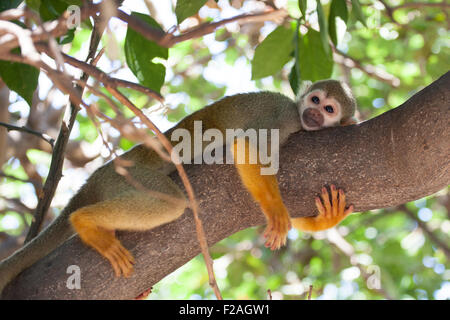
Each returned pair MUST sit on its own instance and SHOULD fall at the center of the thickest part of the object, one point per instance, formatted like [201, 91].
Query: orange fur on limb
[265, 191]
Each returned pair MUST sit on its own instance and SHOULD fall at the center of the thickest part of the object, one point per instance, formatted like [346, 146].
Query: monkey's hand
[278, 223]
[331, 212]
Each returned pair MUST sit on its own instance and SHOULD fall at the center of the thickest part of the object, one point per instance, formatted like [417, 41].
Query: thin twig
[182, 173]
[422, 225]
[121, 165]
[102, 76]
[373, 72]
[56, 28]
[339, 242]
[168, 40]
[128, 130]
[7, 176]
[43, 136]
[443, 5]
[55, 171]
[310, 292]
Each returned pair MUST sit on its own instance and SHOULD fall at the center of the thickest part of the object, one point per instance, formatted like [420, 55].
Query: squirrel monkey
[107, 202]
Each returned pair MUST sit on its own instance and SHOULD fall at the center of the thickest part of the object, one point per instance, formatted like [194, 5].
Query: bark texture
[397, 157]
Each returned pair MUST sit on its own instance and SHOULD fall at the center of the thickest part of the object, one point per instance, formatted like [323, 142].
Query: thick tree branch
[397, 157]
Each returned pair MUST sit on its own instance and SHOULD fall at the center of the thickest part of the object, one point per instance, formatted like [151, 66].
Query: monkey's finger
[119, 260]
[267, 232]
[127, 254]
[125, 265]
[269, 243]
[277, 242]
[271, 240]
[112, 261]
[349, 210]
[268, 229]
[326, 201]
[319, 206]
[341, 201]
[122, 258]
[334, 200]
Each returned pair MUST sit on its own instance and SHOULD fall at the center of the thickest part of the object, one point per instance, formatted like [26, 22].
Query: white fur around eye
[318, 93]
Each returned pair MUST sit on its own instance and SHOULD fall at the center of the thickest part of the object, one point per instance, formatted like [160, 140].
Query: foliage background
[409, 46]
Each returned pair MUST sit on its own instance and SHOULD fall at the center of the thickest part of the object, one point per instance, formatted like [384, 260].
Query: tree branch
[372, 71]
[56, 165]
[422, 225]
[43, 136]
[397, 157]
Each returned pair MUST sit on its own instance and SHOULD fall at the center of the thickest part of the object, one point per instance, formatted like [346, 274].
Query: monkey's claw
[276, 231]
[120, 258]
[332, 209]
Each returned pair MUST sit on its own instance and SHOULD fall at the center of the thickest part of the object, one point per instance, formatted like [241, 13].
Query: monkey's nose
[313, 118]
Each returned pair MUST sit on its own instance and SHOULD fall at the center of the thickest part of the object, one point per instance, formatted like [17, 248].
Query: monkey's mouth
[312, 118]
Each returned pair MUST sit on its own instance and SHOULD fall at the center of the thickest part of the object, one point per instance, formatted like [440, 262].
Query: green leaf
[9, 4]
[338, 8]
[273, 53]
[140, 53]
[293, 79]
[187, 8]
[68, 37]
[21, 78]
[52, 9]
[303, 4]
[314, 62]
[323, 26]
[357, 11]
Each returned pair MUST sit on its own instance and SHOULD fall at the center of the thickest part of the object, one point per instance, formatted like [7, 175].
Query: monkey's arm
[264, 189]
[330, 212]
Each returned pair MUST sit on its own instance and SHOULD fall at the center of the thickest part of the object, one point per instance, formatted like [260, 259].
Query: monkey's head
[326, 103]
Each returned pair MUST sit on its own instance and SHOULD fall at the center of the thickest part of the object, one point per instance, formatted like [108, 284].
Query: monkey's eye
[329, 109]
[315, 99]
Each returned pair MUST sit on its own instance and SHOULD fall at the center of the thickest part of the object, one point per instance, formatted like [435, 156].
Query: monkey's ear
[304, 87]
[349, 121]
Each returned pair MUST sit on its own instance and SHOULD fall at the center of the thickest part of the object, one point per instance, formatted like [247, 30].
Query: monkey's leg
[133, 210]
[330, 213]
[264, 189]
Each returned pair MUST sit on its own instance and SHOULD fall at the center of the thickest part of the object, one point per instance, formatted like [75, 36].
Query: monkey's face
[318, 110]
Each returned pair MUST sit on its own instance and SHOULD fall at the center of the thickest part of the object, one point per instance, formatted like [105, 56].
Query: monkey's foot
[103, 240]
[332, 210]
[331, 213]
[278, 225]
[120, 258]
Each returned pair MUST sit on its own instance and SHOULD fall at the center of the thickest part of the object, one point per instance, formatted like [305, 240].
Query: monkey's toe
[121, 260]
[276, 233]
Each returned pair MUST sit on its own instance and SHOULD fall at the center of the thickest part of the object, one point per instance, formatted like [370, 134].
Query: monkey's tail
[48, 240]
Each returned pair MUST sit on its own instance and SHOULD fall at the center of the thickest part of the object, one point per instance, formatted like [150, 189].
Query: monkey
[108, 202]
